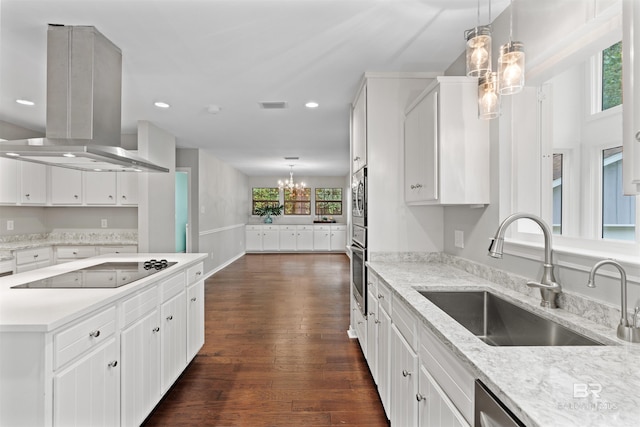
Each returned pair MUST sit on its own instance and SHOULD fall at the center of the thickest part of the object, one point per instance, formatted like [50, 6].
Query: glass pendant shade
[488, 96]
[478, 50]
[511, 68]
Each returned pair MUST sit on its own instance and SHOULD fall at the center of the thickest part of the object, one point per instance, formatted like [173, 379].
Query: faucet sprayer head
[496, 247]
[591, 283]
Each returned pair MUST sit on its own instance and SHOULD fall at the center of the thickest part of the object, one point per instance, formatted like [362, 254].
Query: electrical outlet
[10, 225]
[458, 239]
[103, 223]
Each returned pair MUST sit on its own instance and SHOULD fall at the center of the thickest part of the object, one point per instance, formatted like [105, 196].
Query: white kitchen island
[85, 356]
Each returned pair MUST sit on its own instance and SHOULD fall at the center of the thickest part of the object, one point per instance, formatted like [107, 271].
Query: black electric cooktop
[105, 275]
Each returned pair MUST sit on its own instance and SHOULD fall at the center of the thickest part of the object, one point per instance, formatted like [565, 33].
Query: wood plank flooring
[276, 350]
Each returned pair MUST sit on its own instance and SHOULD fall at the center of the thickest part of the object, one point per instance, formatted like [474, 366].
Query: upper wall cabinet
[33, 183]
[66, 186]
[446, 146]
[8, 181]
[359, 131]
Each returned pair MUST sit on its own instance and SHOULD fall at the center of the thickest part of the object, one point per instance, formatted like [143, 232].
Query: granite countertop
[28, 241]
[536, 383]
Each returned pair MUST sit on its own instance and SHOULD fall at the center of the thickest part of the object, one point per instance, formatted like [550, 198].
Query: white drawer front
[102, 250]
[75, 252]
[304, 227]
[172, 286]
[195, 273]
[321, 227]
[136, 306]
[405, 322]
[32, 255]
[287, 227]
[254, 227]
[84, 335]
[384, 296]
[339, 227]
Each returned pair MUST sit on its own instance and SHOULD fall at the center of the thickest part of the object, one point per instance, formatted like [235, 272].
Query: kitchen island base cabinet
[173, 322]
[404, 381]
[434, 407]
[87, 393]
[195, 319]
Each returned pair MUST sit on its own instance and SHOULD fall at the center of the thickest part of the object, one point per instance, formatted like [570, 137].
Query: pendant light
[478, 51]
[511, 63]
[488, 96]
[290, 185]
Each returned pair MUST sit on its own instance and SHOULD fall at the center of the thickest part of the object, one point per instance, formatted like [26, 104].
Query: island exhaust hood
[84, 81]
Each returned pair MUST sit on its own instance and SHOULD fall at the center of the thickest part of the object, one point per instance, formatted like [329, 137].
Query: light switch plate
[458, 239]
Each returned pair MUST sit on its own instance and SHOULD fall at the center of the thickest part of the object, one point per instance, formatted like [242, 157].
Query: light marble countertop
[28, 241]
[536, 383]
[41, 310]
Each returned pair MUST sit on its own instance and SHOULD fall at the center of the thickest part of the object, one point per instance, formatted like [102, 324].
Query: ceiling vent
[273, 105]
[292, 158]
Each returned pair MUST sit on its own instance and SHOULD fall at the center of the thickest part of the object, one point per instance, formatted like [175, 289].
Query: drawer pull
[113, 363]
[94, 334]
[156, 329]
[406, 373]
[380, 296]
[170, 317]
[193, 299]
[420, 397]
[376, 321]
[198, 273]
[35, 256]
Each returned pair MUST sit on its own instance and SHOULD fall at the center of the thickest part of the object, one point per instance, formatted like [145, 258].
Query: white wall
[224, 206]
[311, 182]
[542, 26]
[157, 204]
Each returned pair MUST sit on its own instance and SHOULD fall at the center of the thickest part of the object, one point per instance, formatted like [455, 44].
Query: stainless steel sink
[500, 323]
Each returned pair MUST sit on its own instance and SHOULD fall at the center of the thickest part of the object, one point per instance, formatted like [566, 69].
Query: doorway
[182, 211]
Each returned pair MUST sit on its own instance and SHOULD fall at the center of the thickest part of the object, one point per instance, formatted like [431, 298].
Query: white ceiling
[235, 54]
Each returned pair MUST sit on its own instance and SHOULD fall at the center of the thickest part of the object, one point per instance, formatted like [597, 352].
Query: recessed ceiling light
[98, 170]
[13, 154]
[161, 104]
[69, 155]
[25, 102]
[311, 104]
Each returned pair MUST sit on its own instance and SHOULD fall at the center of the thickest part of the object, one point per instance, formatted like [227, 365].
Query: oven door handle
[356, 248]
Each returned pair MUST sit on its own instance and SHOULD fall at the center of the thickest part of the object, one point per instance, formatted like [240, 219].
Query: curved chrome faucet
[548, 285]
[625, 331]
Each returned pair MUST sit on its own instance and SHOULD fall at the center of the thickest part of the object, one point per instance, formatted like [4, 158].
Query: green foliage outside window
[262, 197]
[612, 76]
[328, 201]
[297, 202]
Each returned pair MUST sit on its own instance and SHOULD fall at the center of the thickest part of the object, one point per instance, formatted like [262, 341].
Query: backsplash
[594, 310]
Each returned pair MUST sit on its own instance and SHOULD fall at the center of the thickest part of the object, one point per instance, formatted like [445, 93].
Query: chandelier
[289, 184]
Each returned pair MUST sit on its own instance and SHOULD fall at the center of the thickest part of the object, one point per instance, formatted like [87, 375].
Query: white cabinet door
[288, 238]
[338, 239]
[360, 324]
[140, 355]
[87, 393]
[359, 130]
[372, 332]
[420, 151]
[174, 342]
[404, 382]
[270, 238]
[384, 359]
[304, 238]
[8, 181]
[66, 186]
[33, 178]
[434, 407]
[100, 188]
[195, 319]
[127, 188]
[253, 238]
[322, 239]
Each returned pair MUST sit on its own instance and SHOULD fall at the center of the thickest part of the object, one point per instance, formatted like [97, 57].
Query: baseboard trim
[225, 264]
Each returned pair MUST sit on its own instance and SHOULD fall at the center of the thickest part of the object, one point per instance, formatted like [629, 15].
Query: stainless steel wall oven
[359, 239]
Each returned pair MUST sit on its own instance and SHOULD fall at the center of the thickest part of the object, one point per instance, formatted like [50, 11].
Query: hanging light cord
[478, 13]
[510, 20]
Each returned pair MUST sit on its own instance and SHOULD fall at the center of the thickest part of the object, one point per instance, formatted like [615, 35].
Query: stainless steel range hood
[84, 82]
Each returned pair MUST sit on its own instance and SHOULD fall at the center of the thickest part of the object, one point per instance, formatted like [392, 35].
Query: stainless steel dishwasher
[490, 412]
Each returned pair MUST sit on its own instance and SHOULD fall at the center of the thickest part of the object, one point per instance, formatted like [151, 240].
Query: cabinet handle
[420, 397]
[638, 136]
[170, 317]
[124, 197]
[380, 296]
[75, 196]
[156, 329]
[359, 323]
[35, 256]
[113, 363]
[376, 321]
[355, 159]
[416, 186]
[406, 373]
[94, 334]
[372, 314]
[75, 253]
[198, 273]
[193, 299]
[110, 197]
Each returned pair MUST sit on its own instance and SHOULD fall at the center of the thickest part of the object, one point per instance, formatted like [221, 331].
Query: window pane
[326, 194]
[328, 208]
[618, 210]
[612, 76]
[328, 201]
[263, 197]
[557, 193]
[297, 202]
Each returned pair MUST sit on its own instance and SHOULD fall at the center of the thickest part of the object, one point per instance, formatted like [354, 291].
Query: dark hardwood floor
[276, 350]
